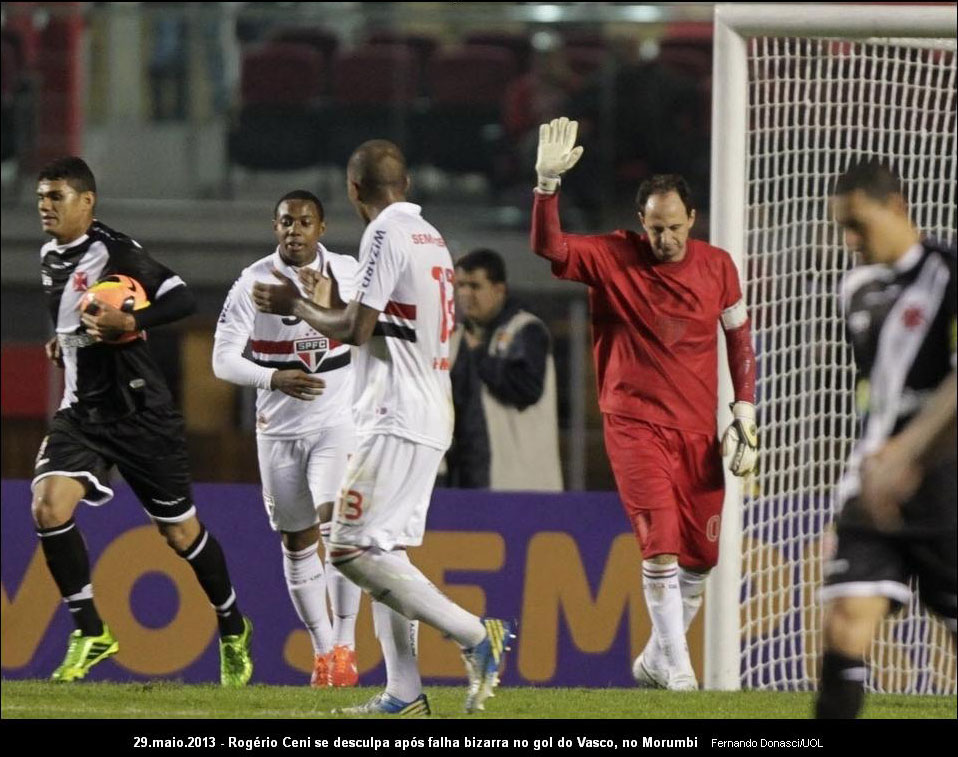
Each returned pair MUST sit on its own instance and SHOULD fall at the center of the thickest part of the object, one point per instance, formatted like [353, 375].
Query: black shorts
[874, 563]
[149, 450]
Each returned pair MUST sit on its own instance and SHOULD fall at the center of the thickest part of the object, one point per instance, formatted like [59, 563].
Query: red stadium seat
[325, 42]
[422, 45]
[281, 73]
[586, 61]
[691, 62]
[582, 39]
[466, 86]
[375, 74]
[471, 75]
[518, 44]
[697, 32]
[279, 124]
[374, 89]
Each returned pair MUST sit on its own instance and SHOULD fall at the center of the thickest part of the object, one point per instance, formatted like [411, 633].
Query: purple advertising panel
[565, 566]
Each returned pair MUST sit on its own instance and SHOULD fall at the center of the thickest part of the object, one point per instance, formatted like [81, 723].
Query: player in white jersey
[304, 427]
[400, 316]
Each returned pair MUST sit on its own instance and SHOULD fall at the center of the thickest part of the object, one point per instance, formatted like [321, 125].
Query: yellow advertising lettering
[152, 651]
[556, 585]
[24, 620]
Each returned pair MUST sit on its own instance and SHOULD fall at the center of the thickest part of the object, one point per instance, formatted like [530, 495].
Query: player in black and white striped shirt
[116, 411]
[897, 497]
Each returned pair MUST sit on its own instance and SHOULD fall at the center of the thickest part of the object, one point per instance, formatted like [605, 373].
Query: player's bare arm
[892, 474]
[105, 321]
[298, 384]
[352, 325]
[323, 289]
[53, 351]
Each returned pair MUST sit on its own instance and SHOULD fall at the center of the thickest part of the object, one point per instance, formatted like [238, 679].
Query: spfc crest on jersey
[311, 351]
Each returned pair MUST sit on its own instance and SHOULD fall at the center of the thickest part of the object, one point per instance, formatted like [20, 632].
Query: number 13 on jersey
[447, 300]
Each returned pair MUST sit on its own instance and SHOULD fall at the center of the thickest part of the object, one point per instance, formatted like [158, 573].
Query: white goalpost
[799, 90]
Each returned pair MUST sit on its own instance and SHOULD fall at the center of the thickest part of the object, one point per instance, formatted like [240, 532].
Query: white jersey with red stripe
[402, 372]
[284, 342]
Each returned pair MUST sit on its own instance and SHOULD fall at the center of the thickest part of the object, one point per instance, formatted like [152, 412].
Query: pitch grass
[42, 699]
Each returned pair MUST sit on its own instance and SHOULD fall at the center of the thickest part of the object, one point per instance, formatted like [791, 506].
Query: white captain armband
[735, 316]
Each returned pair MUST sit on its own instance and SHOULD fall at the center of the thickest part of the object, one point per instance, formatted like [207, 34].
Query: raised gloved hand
[741, 439]
[557, 152]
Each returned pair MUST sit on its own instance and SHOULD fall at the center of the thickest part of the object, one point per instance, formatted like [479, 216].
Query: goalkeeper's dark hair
[301, 194]
[872, 176]
[661, 184]
[488, 260]
[71, 169]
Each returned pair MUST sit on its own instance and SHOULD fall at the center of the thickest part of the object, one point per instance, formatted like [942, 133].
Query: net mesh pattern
[814, 105]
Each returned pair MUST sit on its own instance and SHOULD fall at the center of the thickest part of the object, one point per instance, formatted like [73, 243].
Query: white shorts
[386, 492]
[299, 475]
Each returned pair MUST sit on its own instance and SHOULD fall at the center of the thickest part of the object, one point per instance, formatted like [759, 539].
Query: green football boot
[83, 652]
[236, 663]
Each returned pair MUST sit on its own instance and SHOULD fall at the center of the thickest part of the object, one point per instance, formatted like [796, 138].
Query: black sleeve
[518, 377]
[178, 303]
[469, 455]
[128, 258]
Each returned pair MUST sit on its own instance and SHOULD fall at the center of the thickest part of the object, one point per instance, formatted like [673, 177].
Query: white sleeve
[380, 265]
[344, 269]
[233, 331]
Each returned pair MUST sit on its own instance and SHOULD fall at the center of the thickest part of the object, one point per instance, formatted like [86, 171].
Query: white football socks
[344, 597]
[307, 589]
[692, 587]
[664, 600]
[397, 636]
[390, 578]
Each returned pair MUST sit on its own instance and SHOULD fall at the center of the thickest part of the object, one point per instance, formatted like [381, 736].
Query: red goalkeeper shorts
[672, 486]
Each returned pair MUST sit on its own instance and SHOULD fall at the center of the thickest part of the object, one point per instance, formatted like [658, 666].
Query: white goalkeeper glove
[741, 439]
[557, 152]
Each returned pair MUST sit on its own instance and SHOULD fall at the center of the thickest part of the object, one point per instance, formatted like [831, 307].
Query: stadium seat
[586, 61]
[279, 125]
[518, 44]
[281, 73]
[582, 39]
[422, 46]
[690, 32]
[9, 76]
[323, 41]
[688, 61]
[466, 85]
[19, 89]
[373, 90]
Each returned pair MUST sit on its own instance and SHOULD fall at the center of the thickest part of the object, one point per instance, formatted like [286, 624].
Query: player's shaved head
[378, 167]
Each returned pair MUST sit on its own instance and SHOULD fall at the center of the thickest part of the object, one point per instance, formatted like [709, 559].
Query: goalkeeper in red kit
[656, 300]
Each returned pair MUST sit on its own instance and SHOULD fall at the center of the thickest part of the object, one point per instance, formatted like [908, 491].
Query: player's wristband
[548, 184]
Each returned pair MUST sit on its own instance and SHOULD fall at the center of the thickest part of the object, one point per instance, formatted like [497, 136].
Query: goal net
[813, 100]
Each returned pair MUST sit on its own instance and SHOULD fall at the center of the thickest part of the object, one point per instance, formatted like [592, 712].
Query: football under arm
[230, 365]
[176, 303]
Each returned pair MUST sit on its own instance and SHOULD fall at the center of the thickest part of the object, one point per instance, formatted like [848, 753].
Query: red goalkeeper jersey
[654, 325]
